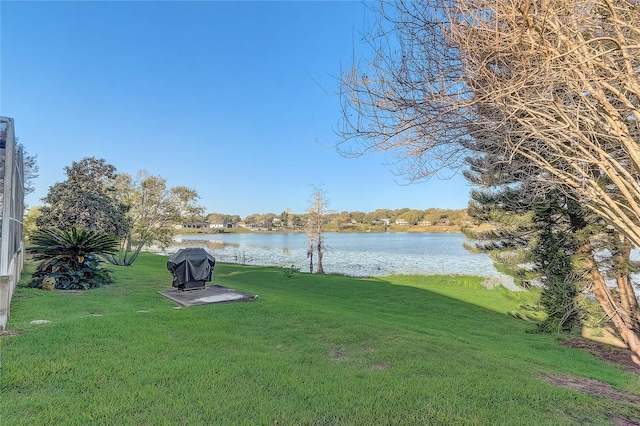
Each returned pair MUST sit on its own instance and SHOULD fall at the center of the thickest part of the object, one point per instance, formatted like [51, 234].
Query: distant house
[424, 223]
[386, 221]
[251, 225]
[195, 225]
[402, 222]
[224, 224]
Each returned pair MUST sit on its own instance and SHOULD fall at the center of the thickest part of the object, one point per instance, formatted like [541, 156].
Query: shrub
[71, 257]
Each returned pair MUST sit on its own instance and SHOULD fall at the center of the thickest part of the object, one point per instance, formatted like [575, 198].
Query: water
[355, 254]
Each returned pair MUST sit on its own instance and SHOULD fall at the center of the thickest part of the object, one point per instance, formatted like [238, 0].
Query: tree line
[346, 219]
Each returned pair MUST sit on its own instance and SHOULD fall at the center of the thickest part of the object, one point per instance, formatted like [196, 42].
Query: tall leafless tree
[317, 217]
[561, 76]
[553, 82]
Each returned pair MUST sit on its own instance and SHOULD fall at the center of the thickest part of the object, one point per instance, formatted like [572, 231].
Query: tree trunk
[628, 298]
[622, 319]
[319, 268]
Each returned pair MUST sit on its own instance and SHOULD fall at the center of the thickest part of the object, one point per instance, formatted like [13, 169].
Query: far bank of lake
[355, 254]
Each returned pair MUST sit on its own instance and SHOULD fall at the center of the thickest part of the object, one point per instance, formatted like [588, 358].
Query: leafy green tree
[71, 257]
[508, 241]
[540, 232]
[432, 215]
[342, 219]
[397, 213]
[222, 218]
[376, 217]
[412, 216]
[85, 200]
[535, 228]
[267, 218]
[537, 242]
[215, 217]
[298, 220]
[29, 226]
[358, 216]
[30, 169]
[153, 210]
[252, 218]
[285, 218]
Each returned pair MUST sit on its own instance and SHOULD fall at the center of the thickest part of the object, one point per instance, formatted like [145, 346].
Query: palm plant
[71, 257]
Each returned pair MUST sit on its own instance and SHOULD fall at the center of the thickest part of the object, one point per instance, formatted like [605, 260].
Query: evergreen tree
[557, 221]
[534, 230]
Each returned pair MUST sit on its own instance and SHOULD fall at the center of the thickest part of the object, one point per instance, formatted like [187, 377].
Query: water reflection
[366, 254]
[182, 242]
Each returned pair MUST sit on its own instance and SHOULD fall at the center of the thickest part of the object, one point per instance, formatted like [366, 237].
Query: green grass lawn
[310, 350]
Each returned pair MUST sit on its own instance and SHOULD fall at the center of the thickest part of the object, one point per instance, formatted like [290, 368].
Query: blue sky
[234, 99]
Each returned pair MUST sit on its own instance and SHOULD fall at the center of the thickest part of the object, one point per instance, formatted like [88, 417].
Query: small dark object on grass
[48, 283]
[289, 272]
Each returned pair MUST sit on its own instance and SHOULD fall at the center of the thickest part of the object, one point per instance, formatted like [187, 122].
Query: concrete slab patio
[208, 295]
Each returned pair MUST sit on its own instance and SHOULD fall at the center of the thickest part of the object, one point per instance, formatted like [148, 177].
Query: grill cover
[190, 268]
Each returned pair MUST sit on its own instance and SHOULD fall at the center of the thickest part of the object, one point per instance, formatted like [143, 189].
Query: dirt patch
[591, 387]
[7, 333]
[339, 354]
[622, 421]
[380, 366]
[596, 388]
[605, 352]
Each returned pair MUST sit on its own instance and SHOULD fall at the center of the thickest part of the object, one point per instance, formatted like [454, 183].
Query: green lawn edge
[310, 350]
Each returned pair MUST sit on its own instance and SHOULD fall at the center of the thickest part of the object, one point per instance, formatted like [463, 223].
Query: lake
[355, 254]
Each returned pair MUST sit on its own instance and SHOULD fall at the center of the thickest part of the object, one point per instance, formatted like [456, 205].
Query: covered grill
[191, 268]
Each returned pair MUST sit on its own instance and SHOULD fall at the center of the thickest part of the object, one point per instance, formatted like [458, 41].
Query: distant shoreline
[393, 228]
